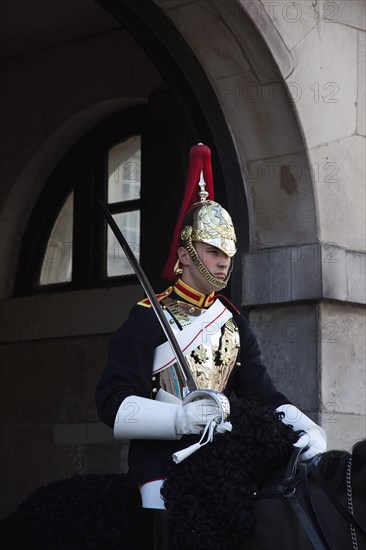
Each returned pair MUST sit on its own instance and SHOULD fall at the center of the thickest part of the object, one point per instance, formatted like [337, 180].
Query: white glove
[314, 437]
[193, 417]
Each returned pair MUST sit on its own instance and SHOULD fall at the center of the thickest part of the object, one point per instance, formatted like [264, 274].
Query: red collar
[192, 295]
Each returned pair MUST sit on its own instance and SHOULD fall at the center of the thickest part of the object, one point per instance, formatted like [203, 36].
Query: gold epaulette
[146, 302]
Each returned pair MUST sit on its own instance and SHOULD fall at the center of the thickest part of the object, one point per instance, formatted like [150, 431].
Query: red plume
[199, 159]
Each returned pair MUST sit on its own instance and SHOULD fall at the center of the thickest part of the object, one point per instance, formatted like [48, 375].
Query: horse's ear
[359, 455]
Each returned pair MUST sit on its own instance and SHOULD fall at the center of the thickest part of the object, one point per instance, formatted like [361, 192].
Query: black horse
[216, 499]
[330, 508]
[240, 494]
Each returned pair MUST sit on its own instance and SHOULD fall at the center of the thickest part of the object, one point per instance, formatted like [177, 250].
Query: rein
[299, 474]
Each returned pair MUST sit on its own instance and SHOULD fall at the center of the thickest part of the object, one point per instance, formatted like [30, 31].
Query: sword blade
[181, 361]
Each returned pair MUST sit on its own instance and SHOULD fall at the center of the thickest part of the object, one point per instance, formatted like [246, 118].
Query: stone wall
[49, 427]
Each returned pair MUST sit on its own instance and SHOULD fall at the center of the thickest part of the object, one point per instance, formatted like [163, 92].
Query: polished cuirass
[212, 361]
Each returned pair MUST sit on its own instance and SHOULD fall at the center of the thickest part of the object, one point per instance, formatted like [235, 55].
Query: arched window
[123, 196]
[68, 243]
[135, 162]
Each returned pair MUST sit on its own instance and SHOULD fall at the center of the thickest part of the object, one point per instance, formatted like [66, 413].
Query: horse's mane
[210, 495]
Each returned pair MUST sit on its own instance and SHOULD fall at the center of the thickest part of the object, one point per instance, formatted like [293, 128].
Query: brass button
[153, 378]
[155, 390]
[171, 321]
[238, 364]
[192, 309]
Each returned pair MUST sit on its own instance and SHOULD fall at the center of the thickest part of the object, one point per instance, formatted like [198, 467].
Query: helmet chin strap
[218, 284]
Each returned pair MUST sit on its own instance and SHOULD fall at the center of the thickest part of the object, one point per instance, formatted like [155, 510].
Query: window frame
[84, 170]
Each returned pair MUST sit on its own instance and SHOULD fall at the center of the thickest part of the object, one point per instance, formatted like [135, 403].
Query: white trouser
[150, 494]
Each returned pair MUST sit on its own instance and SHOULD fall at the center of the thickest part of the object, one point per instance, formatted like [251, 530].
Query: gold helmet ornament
[203, 221]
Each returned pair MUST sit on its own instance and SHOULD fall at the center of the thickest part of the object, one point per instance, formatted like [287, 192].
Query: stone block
[70, 434]
[307, 272]
[351, 13]
[324, 83]
[82, 312]
[262, 15]
[287, 336]
[256, 45]
[361, 85]
[83, 434]
[334, 272]
[342, 358]
[281, 196]
[30, 459]
[104, 459]
[257, 115]
[294, 274]
[344, 430]
[293, 20]
[60, 376]
[99, 433]
[224, 30]
[339, 187]
[209, 35]
[356, 271]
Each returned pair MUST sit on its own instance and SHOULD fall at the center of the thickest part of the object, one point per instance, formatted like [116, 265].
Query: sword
[181, 361]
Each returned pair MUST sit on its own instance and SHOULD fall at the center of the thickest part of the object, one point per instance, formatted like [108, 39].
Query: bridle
[300, 473]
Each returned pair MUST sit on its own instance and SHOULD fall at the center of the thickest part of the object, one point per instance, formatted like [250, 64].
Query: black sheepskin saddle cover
[84, 512]
[209, 496]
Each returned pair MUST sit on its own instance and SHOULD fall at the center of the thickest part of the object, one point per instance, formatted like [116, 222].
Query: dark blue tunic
[128, 372]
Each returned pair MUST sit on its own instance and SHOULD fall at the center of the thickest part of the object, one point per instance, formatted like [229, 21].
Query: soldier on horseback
[143, 395]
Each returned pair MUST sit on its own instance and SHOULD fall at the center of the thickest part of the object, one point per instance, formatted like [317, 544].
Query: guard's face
[216, 261]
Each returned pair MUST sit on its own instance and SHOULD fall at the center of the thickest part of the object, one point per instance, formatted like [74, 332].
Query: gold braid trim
[217, 283]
